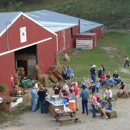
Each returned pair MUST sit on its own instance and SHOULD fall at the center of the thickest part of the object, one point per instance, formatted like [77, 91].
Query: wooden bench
[111, 114]
[66, 119]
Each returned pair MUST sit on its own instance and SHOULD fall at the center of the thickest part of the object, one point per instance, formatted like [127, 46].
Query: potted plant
[3, 88]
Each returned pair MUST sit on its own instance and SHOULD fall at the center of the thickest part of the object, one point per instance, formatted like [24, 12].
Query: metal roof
[51, 20]
[6, 19]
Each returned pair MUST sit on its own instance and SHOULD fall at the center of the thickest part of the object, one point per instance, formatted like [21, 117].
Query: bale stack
[45, 80]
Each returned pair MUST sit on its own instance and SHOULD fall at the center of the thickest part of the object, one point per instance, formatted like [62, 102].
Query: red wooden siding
[46, 55]
[7, 66]
[34, 33]
[65, 41]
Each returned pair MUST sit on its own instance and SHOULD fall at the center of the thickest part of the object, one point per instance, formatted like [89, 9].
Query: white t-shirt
[36, 85]
[107, 92]
[65, 87]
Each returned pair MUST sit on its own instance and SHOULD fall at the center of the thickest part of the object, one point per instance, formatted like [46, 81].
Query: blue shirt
[34, 93]
[69, 70]
[84, 94]
[109, 107]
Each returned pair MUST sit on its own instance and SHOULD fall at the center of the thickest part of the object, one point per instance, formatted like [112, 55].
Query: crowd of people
[71, 90]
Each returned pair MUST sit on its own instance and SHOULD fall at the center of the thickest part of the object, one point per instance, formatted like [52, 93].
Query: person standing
[126, 61]
[57, 89]
[94, 105]
[42, 98]
[93, 73]
[76, 91]
[85, 97]
[34, 97]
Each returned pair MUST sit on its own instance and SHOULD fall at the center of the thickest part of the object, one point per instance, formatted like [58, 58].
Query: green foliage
[3, 88]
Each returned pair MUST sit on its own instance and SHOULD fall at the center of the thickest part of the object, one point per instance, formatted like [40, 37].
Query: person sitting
[65, 95]
[70, 73]
[110, 80]
[116, 77]
[109, 93]
[103, 80]
[64, 73]
[57, 89]
[123, 90]
[103, 97]
[66, 57]
[103, 68]
[92, 86]
[107, 109]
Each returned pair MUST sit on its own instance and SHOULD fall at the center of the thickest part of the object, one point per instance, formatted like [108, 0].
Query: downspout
[57, 52]
[79, 26]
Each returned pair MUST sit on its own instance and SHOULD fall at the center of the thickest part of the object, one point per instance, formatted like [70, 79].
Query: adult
[93, 73]
[85, 97]
[109, 93]
[74, 82]
[66, 56]
[65, 87]
[100, 71]
[71, 95]
[103, 68]
[34, 97]
[94, 104]
[122, 90]
[42, 98]
[107, 109]
[110, 80]
[126, 59]
[56, 89]
[64, 73]
[76, 91]
[116, 77]
[103, 80]
[70, 73]
[85, 83]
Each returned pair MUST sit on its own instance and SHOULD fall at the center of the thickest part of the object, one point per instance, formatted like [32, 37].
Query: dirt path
[38, 121]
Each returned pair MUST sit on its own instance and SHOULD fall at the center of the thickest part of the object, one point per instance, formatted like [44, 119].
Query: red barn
[67, 28]
[25, 43]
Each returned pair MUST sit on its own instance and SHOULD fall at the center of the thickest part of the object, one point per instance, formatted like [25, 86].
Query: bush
[3, 88]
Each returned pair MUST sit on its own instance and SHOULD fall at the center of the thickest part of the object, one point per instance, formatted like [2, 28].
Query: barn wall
[65, 39]
[46, 55]
[7, 66]
[34, 33]
[97, 30]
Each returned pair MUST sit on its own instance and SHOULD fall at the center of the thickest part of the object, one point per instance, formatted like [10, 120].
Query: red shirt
[56, 89]
[76, 91]
[98, 99]
[103, 77]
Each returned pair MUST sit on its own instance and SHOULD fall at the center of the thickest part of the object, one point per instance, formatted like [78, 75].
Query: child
[97, 86]
[103, 97]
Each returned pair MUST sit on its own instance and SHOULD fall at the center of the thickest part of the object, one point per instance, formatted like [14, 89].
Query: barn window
[71, 30]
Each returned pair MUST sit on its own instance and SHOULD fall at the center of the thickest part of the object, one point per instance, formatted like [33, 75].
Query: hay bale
[115, 96]
[121, 95]
[111, 114]
[53, 78]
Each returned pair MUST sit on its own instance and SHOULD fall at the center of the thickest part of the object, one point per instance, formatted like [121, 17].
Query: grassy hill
[110, 52]
[112, 13]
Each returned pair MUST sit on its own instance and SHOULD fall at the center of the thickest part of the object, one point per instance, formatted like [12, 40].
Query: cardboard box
[5, 106]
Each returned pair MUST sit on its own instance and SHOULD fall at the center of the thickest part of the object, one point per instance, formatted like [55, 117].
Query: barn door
[31, 67]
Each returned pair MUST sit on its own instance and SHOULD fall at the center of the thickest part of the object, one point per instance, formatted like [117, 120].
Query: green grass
[84, 59]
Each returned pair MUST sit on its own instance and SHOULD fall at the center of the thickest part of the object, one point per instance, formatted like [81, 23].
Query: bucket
[72, 104]
[64, 100]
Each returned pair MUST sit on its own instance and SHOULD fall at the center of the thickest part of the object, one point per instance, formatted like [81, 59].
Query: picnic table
[66, 116]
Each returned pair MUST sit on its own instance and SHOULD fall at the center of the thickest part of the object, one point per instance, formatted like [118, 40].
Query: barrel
[72, 104]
